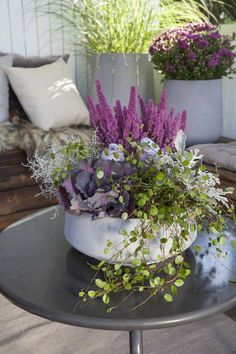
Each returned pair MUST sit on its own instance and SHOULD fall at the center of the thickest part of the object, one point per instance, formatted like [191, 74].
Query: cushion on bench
[23, 135]
[221, 155]
[221, 159]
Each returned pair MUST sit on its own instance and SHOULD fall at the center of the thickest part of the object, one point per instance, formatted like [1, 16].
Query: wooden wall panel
[23, 31]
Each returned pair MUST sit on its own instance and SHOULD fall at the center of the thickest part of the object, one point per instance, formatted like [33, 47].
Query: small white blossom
[150, 149]
[113, 153]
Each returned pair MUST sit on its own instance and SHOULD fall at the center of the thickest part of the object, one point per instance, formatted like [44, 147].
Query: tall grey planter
[118, 72]
[202, 99]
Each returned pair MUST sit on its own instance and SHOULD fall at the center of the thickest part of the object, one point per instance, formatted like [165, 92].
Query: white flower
[150, 149]
[113, 153]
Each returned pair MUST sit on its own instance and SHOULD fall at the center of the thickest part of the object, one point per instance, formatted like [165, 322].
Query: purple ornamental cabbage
[82, 191]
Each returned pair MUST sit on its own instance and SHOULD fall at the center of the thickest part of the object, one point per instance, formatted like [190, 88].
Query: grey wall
[23, 31]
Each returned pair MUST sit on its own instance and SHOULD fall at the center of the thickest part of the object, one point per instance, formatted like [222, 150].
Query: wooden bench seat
[18, 191]
[227, 179]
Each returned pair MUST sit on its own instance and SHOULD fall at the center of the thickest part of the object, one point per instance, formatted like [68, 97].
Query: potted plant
[116, 34]
[134, 197]
[194, 59]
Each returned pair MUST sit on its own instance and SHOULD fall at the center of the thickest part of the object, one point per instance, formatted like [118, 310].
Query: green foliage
[221, 11]
[182, 200]
[172, 193]
[119, 26]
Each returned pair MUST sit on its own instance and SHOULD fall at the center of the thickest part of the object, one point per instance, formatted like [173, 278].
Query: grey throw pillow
[4, 88]
[34, 62]
[15, 108]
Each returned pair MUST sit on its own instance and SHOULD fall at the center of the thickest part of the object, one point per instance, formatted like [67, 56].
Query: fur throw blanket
[23, 135]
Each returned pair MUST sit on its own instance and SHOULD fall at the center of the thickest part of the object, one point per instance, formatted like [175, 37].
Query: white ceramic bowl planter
[90, 237]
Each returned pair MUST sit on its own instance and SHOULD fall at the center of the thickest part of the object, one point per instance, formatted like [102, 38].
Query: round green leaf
[106, 299]
[168, 297]
[179, 282]
[124, 216]
[197, 248]
[99, 283]
[100, 174]
[153, 211]
[179, 259]
[91, 293]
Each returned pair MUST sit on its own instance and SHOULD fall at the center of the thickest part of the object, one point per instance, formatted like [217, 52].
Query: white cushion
[49, 95]
[4, 88]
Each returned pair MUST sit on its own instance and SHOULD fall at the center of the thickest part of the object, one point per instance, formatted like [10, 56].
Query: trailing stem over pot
[137, 168]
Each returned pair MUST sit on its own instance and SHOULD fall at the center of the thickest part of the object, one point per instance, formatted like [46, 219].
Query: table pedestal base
[136, 341]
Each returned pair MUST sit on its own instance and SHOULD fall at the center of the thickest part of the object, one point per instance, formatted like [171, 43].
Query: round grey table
[42, 274]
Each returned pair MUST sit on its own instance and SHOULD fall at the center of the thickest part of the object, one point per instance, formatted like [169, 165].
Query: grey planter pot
[118, 72]
[90, 237]
[202, 99]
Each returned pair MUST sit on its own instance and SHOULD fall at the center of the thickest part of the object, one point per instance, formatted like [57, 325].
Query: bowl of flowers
[194, 59]
[134, 196]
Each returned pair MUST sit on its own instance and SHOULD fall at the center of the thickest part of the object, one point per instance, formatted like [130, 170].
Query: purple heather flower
[132, 100]
[107, 117]
[154, 123]
[119, 117]
[183, 121]
[162, 103]
[152, 115]
[144, 112]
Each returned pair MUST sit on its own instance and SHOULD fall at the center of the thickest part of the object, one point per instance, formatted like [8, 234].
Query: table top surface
[41, 273]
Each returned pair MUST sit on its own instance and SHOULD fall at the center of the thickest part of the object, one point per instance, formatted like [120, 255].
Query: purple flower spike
[117, 125]
[183, 120]
[132, 100]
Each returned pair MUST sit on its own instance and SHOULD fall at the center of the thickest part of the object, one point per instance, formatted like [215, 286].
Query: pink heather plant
[121, 123]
